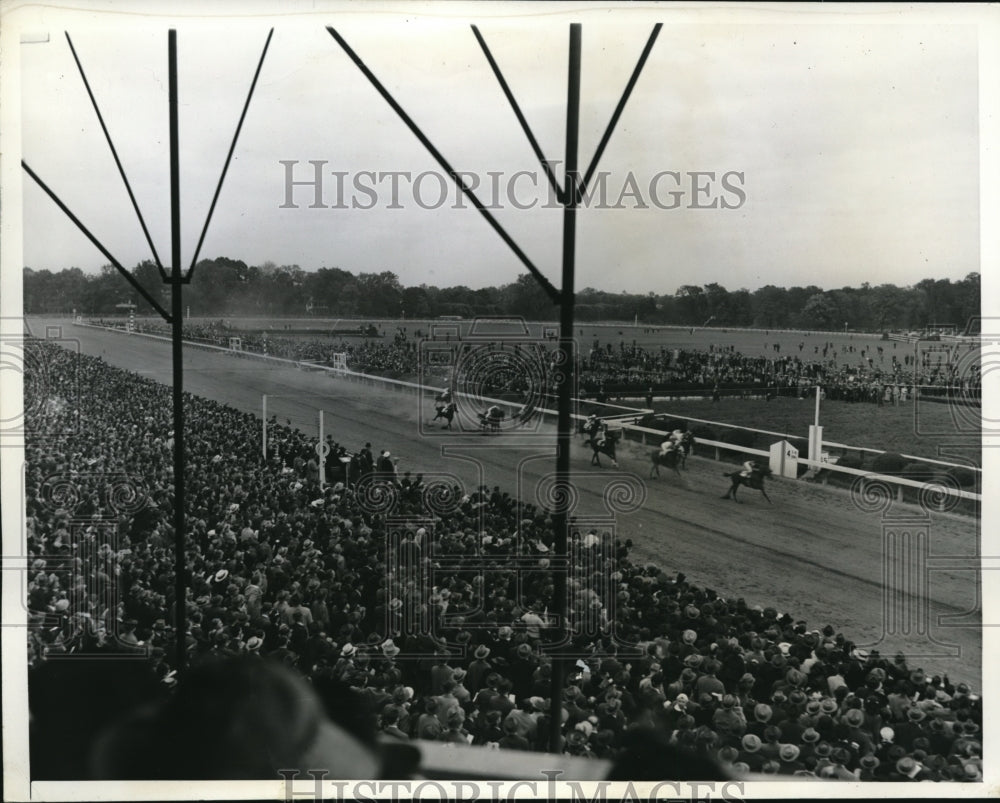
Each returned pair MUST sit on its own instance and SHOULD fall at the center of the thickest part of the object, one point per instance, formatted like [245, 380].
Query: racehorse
[447, 412]
[586, 429]
[491, 422]
[672, 460]
[605, 448]
[755, 481]
[684, 446]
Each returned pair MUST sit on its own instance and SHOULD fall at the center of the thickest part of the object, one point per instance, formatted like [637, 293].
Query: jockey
[443, 400]
[599, 435]
[492, 413]
[668, 446]
[749, 467]
[677, 436]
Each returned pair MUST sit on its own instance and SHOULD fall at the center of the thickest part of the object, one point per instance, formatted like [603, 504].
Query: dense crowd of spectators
[438, 617]
[846, 373]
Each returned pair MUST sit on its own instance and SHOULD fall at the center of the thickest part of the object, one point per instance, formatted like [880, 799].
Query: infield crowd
[882, 374]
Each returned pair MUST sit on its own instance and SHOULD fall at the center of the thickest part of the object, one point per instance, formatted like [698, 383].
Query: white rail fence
[645, 433]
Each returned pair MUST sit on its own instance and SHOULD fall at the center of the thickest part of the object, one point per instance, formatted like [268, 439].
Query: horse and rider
[591, 426]
[672, 454]
[445, 408]
[600, 439]
[752, 474]
[490, 419]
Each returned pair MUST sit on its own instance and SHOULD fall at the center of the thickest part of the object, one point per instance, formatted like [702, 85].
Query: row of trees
[227, 287]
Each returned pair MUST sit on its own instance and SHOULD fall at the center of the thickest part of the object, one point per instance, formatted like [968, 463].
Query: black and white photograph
[497, 401]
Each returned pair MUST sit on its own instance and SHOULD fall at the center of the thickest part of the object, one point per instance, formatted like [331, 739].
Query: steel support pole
[320, 449]
[560, 516]
[263, 434]
[177, 313]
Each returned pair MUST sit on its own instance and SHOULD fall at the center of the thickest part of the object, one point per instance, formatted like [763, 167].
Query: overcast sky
[856, 144]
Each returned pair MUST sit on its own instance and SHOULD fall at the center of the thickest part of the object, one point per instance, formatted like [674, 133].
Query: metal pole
[263, 434]
[817, 405]
[177, 313]
[321, 451]
[561, 514]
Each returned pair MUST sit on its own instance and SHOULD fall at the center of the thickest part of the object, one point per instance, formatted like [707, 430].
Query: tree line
[229, 287]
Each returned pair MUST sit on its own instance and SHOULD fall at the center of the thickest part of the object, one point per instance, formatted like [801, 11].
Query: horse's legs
[768, 498]
[736, 486]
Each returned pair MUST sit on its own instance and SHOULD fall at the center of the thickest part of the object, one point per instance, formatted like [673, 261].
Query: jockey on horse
[668, 446]
[442, 400]
[491, 418]
[752, 475]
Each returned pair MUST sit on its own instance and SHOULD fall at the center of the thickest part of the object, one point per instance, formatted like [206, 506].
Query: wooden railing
[402, 386]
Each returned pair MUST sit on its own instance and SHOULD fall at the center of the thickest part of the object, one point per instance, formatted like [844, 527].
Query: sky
[846, 146]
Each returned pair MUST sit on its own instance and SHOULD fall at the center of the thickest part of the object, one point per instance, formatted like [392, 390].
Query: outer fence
[644, 433]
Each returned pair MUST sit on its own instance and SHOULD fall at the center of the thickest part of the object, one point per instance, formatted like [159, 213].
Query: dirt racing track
[813, 553]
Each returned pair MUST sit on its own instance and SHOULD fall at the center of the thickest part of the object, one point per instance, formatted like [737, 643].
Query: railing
[718, 446]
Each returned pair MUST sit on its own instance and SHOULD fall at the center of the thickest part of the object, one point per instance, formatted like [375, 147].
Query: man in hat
[511, 739]
[521, 669]
[729, 719]
[479, 668]
[912, 728]
[441, 672]
[366, 459]
[869, 765]
[789, 757]
[750, 752]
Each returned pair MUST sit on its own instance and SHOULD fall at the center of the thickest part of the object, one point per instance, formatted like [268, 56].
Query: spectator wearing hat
[483, 699]
[911, 728]
[479, 668]
[708, 683]
[788, 754]
[906, 769]
[759, 720]
[460, 692]
[750, 754]
[771, 742]
[610, 715]
[868, 768]
[852, 724]
[521, 668]
[729, 719]
[441, 672]
[511, 739]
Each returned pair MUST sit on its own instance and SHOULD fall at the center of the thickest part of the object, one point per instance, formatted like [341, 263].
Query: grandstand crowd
[437, 625]
[876, 375]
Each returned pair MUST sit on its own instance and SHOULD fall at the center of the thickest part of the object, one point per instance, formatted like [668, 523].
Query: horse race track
[813, 553]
